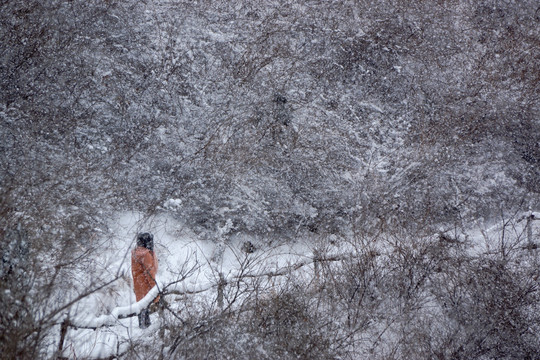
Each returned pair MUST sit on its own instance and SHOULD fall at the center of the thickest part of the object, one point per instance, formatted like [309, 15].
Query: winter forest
[324, 179]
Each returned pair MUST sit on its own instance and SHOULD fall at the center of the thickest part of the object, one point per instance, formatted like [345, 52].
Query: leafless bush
[383, 121]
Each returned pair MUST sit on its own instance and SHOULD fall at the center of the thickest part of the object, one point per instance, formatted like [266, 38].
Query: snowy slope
[188, 264]
[180, 254]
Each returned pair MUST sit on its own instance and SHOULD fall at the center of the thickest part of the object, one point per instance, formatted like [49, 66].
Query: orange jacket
[144, 266]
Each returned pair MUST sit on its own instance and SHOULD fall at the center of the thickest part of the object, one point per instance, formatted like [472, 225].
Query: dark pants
[144, 319]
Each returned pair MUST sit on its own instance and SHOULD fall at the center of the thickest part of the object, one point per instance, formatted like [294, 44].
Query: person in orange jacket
[144, 266]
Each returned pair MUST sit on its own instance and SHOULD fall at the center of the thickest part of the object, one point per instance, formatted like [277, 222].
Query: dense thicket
[287, 118]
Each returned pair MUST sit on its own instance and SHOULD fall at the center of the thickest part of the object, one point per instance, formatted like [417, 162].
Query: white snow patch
[172, 204]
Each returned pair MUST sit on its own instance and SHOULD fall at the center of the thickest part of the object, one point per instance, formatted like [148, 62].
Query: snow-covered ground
[188, 264]
[181, 255]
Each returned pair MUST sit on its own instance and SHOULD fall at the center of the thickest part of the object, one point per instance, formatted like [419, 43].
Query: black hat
[146, 240]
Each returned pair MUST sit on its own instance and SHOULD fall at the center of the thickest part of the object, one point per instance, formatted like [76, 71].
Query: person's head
[146, 240]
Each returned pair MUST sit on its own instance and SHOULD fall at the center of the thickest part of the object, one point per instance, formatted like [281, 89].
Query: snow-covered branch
[181, 288]
[122, 312]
